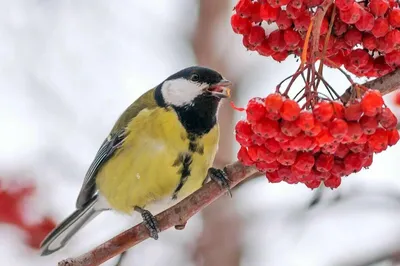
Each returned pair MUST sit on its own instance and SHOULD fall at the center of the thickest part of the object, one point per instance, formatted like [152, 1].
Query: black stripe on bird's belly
[184, 162]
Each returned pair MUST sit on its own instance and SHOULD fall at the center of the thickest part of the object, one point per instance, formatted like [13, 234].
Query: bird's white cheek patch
[180, 92]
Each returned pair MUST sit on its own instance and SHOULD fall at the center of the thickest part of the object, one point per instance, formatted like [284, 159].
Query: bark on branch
[181, 212]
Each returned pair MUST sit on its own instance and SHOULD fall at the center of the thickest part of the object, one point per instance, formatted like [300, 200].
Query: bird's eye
[195, 77]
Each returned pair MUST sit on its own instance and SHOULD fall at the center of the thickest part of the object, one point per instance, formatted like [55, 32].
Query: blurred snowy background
[69, 68]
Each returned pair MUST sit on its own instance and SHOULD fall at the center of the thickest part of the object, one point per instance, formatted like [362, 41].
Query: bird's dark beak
[221, 89]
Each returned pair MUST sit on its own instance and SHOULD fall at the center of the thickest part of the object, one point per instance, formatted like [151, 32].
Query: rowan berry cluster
[363, 36]
[323, 144]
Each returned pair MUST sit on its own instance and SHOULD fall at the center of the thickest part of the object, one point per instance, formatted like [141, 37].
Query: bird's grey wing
[106, 150]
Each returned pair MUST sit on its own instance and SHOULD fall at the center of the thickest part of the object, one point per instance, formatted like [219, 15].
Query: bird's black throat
[198, 117]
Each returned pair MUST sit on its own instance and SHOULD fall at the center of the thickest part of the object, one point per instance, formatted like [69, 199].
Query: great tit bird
[160, 150]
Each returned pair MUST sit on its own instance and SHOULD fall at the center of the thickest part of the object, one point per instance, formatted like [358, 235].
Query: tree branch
[176, 215]
[184, 210]
[385, 84]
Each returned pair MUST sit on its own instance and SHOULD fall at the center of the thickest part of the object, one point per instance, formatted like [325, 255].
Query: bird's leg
[149, 221]
[220, 176]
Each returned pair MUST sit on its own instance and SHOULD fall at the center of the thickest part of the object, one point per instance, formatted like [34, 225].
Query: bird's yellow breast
[156, 152]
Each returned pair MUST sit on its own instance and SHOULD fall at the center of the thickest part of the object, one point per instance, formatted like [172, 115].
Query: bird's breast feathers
[158, 159]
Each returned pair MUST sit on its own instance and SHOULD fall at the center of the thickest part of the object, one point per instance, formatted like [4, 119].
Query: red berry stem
[294, 77]
[328, 35]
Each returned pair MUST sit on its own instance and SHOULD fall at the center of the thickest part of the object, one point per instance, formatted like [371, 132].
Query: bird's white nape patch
[180, 92]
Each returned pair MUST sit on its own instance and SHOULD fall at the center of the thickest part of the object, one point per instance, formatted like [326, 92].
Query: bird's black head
[195, 94]
[183, 87]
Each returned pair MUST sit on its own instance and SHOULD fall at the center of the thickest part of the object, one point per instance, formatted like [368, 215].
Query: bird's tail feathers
[60, 236]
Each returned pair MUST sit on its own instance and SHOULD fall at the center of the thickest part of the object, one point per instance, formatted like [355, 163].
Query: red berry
[264, 49]
[397, 98]
[378, 7]
[379, 140]
[255, 12]
[313, 184]
[362, 140]
[247, 44]
[324, 138]
[287, 158]
[353, 111]
[342, 150]
[272, 145]
[269, 13]
[273, 177]
[339, 27]
[281, 137]
[243, 129]
[290, 128]
[283, 21]
[333, 182]
[393, 58]
[266, 128]
[293, 12]
[368, 124]
[338, 128]
[324, 162]
[268, 167]
[280, 56]
[366, 21]
[372, 102]
[383, 46]
[381, 27]
[243, 142]
[393, 137]
[338, 110]
[302, 142]
[324, 26]
[243, 157]
[312, 3]
[257, 35]
[344, 4]
[354, 131]
[243, 7]
[353, 37]
[276, 41]
[394, 18]
[284, 173]
[338, 168]
[305, 161]
[352, 162]
[290, 110]
[392, 38]
[265, 155]
[256, 139]
[351, 15]
[255, 110]
[356, 148]
[296, 3]
[302, 22]
[252, 151]
[369, 41]
[286, 146]
[305, 121]
[323, 111]
[358, 58]
[292, 38]
[240, 25]
[387, 119]
[278, 3]
[315, 130]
